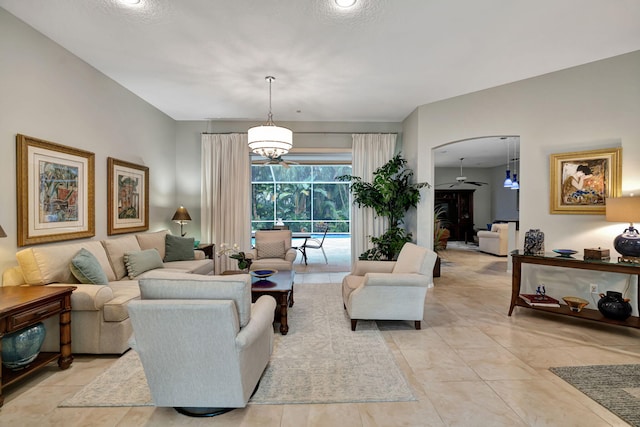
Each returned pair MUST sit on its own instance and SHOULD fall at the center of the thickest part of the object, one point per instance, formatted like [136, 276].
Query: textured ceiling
[199, 59]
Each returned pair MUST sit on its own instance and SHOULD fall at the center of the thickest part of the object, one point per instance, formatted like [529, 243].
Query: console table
[22, 306]
[576, 261]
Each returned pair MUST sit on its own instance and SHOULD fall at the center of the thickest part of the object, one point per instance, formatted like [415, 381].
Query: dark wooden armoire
[458, 208]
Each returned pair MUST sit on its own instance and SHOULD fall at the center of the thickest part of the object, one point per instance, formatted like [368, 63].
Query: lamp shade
[507, 180]
[181, 215]
[625, 209]
[269, 140]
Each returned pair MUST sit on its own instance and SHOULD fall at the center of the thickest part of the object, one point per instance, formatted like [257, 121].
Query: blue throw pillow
[137, 262]
[178, 248]
[86, 268]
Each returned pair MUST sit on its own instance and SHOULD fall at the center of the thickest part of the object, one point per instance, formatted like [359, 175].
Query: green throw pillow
[178, 248]
[86, 268]
[137, 262]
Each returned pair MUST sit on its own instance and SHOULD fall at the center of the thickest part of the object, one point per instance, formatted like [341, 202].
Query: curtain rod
[312, 133]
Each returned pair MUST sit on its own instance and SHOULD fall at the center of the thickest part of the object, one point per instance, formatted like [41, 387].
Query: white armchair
[496, 241]
[272, 251]
[390, 290]
[202, 343]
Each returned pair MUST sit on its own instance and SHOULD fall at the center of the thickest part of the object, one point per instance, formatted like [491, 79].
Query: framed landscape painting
[55, 190]
[581, 181]
[127, 197]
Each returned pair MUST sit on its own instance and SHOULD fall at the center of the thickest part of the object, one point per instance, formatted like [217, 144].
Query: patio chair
[313, 243]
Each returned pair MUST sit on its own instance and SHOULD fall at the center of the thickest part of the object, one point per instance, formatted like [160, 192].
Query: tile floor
[470, 365]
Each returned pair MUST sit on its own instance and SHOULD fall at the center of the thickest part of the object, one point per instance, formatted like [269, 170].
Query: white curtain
[226, 194]
[370, 151]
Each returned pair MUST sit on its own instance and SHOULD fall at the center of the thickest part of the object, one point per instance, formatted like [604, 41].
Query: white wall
[592, 106]
[307, 135]
[48, 93]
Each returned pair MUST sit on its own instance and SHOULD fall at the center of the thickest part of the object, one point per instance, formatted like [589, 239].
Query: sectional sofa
[100, 321]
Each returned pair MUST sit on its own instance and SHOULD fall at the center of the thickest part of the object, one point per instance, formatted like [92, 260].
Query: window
[303, 196]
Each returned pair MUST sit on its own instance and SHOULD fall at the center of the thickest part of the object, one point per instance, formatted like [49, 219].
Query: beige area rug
[320, 360]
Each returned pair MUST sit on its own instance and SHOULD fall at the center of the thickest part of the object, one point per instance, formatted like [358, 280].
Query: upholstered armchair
[390, 290]
[272, 250]
[202, 343]
[495, 241]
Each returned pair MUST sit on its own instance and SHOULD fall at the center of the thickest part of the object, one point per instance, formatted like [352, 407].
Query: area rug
[616, 387]
[320, 360]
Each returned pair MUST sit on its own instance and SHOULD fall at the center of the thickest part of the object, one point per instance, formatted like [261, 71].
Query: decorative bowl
[263, 274]
[576, 304]
[565, 252]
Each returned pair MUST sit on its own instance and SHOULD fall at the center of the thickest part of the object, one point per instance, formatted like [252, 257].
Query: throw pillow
[270, 249]
[86, 268]
[178, 248]
[137, 262]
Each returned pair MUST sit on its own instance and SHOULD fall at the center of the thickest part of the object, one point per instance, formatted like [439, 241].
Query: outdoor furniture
[390, 290]
[202, 343]
[313, 243]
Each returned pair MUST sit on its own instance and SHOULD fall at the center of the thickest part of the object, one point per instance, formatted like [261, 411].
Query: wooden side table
[207, 248]
[23, 306]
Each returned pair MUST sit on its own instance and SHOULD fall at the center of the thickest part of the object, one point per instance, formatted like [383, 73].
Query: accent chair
[496, 241]
[272, 250]
[390, 290]
[202, 343]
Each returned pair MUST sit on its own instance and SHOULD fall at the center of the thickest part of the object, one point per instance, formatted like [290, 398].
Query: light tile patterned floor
[470, 365]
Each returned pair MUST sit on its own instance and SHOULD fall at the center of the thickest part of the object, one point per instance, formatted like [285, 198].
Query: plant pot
[21, 348]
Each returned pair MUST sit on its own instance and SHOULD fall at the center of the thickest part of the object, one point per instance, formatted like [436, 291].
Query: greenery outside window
[303, 196]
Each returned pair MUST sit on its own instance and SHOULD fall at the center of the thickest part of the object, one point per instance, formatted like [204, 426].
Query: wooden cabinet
[458, 207]
[22, 306]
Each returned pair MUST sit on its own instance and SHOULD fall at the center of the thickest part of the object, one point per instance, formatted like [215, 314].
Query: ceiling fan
[278, 160]
[462, 179]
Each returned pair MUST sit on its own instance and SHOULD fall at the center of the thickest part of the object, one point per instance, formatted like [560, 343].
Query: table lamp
[625, 209]
[181, 217]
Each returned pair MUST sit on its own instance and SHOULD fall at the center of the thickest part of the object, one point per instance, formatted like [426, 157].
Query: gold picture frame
[127, 197]
[581, 181]
[55, 191]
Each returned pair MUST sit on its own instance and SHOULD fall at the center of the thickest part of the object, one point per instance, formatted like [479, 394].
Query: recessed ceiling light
[345, 3]
[130, 1]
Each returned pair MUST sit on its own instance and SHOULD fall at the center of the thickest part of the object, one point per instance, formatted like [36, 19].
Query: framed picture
[55, 190]
[581, 181]
[127, 197]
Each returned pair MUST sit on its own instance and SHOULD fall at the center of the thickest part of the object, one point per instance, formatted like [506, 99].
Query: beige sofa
[100, 321]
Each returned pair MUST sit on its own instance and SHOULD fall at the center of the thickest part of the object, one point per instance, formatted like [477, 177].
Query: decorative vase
[22, 347]
[613, 306]
[534, 242]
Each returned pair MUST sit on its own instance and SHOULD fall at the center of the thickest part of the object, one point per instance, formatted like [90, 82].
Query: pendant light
[269, 140]
[507, 181]
[515, 185]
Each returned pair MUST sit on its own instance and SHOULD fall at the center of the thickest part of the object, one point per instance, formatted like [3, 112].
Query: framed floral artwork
[127, 197]
[55, 190]
[581, 181]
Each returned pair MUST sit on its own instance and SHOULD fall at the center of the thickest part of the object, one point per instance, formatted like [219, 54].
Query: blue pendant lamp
[515, 185]
[507, 181]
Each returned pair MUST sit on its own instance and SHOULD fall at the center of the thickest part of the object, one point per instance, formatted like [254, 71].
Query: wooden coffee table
[279, 286]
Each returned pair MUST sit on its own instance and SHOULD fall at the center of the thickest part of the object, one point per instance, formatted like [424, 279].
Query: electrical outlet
[594, 288]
